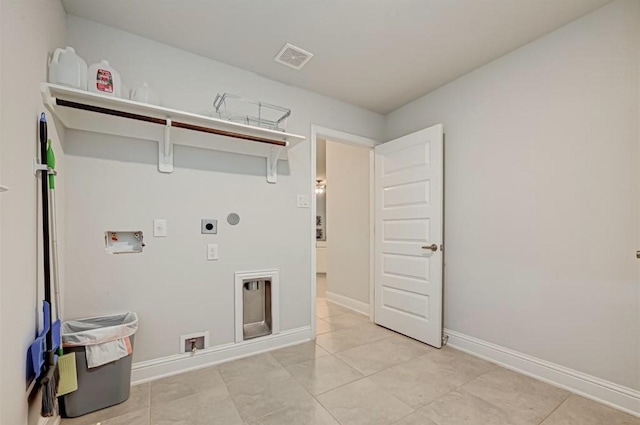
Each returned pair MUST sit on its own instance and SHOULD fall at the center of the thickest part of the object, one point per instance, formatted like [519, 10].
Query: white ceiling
[377, 54]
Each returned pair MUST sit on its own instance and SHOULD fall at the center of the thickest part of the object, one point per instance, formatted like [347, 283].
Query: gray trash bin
[105, 385]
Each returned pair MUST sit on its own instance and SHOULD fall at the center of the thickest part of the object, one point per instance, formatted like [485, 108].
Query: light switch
[212, 251]
[303, 201]
[159, 228]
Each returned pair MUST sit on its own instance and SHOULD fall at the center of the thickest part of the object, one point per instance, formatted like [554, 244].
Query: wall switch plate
[303, 201]
[160, 228]
[209, 226]
[212, 251]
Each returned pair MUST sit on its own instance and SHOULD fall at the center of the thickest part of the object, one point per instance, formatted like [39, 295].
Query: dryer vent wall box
[123, 242]
[257, 304]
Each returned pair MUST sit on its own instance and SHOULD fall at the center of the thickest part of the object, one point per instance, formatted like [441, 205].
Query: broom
[49, 381]
[66, 362]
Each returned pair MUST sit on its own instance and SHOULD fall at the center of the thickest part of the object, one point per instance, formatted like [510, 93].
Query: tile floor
[355, 374]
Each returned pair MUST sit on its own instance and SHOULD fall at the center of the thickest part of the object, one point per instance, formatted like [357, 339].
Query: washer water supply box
[123, 242]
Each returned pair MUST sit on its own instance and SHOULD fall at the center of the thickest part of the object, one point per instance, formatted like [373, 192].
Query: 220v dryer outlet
[209, 226]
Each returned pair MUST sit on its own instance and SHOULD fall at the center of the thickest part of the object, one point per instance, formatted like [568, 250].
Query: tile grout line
[556, 408]
[356, 380]
[308, 392]
[149, 383]
[315, 398]
[352, 382]
[457, 388]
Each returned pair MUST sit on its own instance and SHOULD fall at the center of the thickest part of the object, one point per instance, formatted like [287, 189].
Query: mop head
[68, 374]
[49, 385]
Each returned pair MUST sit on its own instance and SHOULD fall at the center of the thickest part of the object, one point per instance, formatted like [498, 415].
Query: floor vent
[293, 56]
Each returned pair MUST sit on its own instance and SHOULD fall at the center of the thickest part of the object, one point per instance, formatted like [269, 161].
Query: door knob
[433, 247]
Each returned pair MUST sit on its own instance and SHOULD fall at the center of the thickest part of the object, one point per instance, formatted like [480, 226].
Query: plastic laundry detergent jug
[104, 79]
[68, 69]
[144, 94]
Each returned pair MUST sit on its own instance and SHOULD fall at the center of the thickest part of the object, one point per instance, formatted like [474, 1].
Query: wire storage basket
[238, 109]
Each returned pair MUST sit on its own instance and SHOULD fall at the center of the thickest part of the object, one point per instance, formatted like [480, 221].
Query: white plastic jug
[68, 69]
[144, 94]
[104, 79]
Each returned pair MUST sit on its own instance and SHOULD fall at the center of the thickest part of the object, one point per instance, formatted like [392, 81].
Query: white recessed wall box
[123, 242]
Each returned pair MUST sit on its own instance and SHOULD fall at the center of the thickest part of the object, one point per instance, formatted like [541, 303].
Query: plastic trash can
[104, 350]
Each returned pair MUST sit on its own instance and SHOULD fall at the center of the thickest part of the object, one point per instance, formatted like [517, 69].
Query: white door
[409, 233]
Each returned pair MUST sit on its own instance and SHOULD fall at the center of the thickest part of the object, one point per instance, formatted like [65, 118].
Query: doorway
[406, 207]
[342, 221]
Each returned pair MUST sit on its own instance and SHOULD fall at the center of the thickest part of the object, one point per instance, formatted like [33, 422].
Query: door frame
[319, 132]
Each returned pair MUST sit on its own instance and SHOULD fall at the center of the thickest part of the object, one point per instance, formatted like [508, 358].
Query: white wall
[29, 30]
[348, 221]
[114, 184]
[542, 195]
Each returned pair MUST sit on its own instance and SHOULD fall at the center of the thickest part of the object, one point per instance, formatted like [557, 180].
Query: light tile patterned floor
[356, 374]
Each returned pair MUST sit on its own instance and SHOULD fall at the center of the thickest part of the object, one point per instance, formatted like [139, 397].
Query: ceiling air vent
[293, 56]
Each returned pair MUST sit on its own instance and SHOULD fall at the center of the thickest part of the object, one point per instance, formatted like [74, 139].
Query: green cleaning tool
[66, 362]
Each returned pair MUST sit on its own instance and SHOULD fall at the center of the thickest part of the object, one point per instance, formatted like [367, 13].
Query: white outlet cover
[303, 201]
[159, 228]
[212, 251]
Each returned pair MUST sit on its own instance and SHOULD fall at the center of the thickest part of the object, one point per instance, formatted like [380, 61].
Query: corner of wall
[29, 31]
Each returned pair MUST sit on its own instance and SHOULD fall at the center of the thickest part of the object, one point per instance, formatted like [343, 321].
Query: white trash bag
[105, 338]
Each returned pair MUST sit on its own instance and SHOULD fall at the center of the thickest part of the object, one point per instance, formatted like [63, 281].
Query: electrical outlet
[209, 226]
[159, 228]
[212, 251]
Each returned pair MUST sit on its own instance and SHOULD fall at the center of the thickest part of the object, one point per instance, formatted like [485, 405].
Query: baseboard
[151, 370]
[609, 393]
[350, 303]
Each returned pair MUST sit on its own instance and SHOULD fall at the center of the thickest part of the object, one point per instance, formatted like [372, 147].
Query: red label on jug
[104, 81]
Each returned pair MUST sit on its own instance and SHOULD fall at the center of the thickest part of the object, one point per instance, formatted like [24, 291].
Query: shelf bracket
[165, 150]
[48, 100]
[272, 164]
